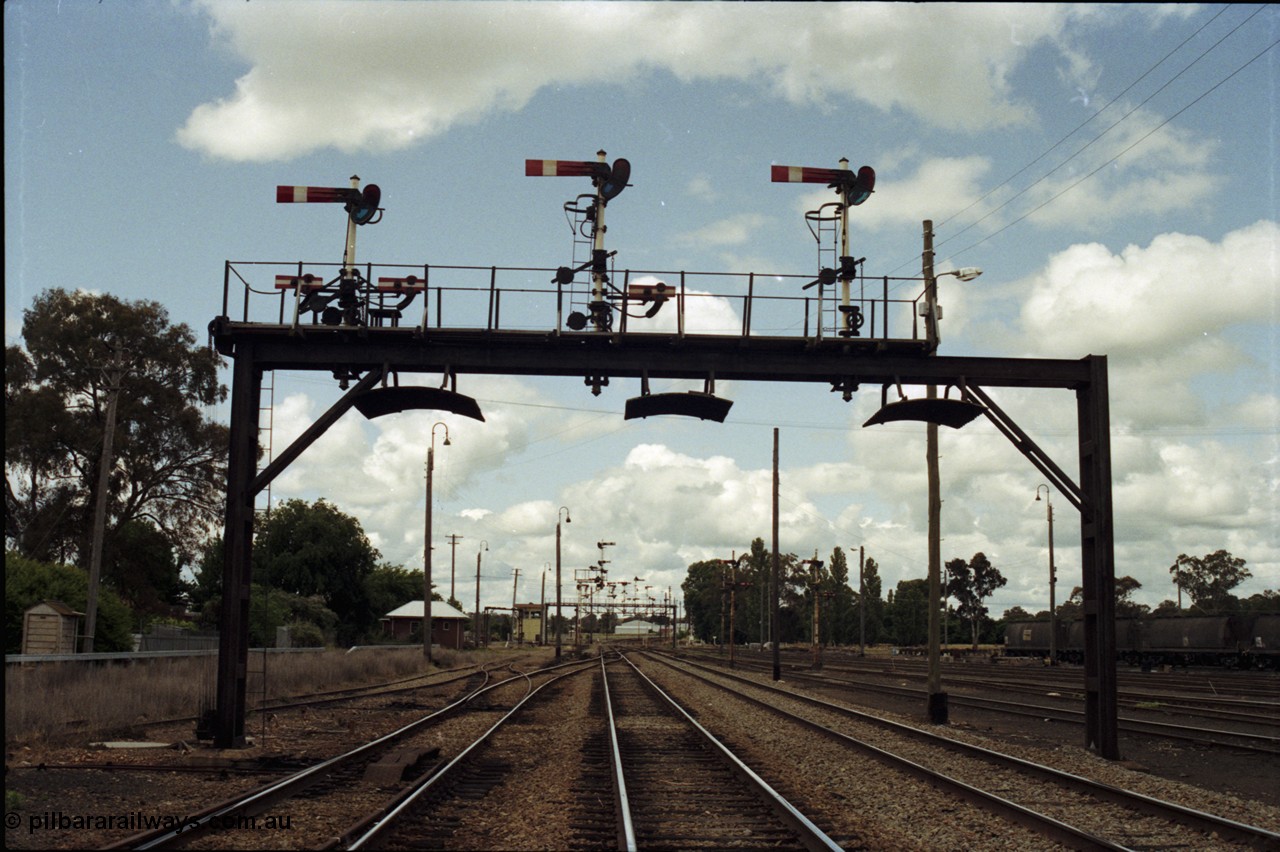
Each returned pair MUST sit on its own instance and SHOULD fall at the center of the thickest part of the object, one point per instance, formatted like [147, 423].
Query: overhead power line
[1135, 144]
[1077, 128]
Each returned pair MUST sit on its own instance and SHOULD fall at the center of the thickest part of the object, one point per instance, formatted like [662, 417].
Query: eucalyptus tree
[80, 351]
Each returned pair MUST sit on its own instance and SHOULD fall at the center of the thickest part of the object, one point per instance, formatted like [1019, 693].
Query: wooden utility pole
[100, 504]
[817, 612]
[937, 706]
[515, 584]
[426, 556]
[453, 565]
[477, 627]
[862, 602]
[774, 638]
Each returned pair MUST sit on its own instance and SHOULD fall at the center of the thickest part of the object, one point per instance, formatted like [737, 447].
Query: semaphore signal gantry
[746, 327]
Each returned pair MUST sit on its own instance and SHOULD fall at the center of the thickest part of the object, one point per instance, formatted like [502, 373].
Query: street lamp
[484, 545]
[545, 566]
[1053, 577]
[937, 699]
[426, 555]
[567, 519]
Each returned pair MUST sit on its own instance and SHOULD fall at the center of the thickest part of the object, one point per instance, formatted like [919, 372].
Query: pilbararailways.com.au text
[140, 821]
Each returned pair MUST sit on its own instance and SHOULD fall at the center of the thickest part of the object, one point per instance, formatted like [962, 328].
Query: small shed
[50, 627]
[447, 623]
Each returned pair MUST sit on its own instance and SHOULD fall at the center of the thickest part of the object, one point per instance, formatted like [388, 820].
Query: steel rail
[1175, 696]
[382, 824]
[1259, 743]
[1201, 820]
[285, 787]
[814, 838]
[275, 791]
[626, 829]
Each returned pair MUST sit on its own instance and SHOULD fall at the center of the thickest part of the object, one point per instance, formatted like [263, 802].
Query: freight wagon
[1235, 641]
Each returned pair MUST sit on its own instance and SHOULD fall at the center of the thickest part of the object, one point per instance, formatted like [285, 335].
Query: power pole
[100, 505]
[862, 602]
[817, 612]
[937, 699]
[515, 583]
[453, 565]
[774, 638]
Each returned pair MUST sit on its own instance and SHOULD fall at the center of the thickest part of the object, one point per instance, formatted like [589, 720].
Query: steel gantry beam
[374, 353]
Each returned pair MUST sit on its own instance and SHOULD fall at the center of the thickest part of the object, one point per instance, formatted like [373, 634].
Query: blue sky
[144, 140]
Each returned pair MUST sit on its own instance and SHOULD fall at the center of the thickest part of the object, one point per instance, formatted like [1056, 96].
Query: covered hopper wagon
[1250, 641]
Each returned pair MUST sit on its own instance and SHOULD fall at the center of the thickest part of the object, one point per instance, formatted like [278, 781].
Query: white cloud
[731, 231]
[1136, 169]
[906, 199]
[385, 75]
[701, 188]
[704, 313]
[1159, 299]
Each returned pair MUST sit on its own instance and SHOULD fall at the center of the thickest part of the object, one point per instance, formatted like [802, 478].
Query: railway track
[681, 788]
[1066, 808]
[319, 795]
[1250, 740]
[652, 778]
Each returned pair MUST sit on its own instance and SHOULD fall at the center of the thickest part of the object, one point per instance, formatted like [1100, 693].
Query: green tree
[28, 582]
[874, 603]
[208, 573]
[701, 589]
[840, 612]
[970, 584]
[1268, 600]
[168, 459]
[142, 568]
[1210, 579]
[1126, 606]
[271, 608]
[1016, 613]
[315, 549]
[390, 586]
[908, 613]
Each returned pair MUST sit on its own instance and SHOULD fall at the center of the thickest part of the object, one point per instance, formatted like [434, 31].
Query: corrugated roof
[439, 609]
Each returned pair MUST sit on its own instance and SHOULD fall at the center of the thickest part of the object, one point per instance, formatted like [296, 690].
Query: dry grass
[55, 703]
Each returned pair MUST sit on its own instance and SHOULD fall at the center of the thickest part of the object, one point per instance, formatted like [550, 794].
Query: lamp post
[515, 620]
[937, 699]
[544, 603]
[426, 549]
[484, 545]
[1053, 578]
[564, 509]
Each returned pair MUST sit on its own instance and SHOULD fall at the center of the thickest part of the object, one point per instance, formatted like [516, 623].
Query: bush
[27, 583]
[304, 634]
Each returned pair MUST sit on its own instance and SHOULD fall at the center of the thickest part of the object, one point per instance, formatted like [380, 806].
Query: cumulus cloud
[906, 198]
[731, 231]
[1165, 297]
[704, 312]
[384, 75]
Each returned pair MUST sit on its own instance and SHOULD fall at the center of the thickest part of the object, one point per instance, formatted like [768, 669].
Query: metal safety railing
[491, 298]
